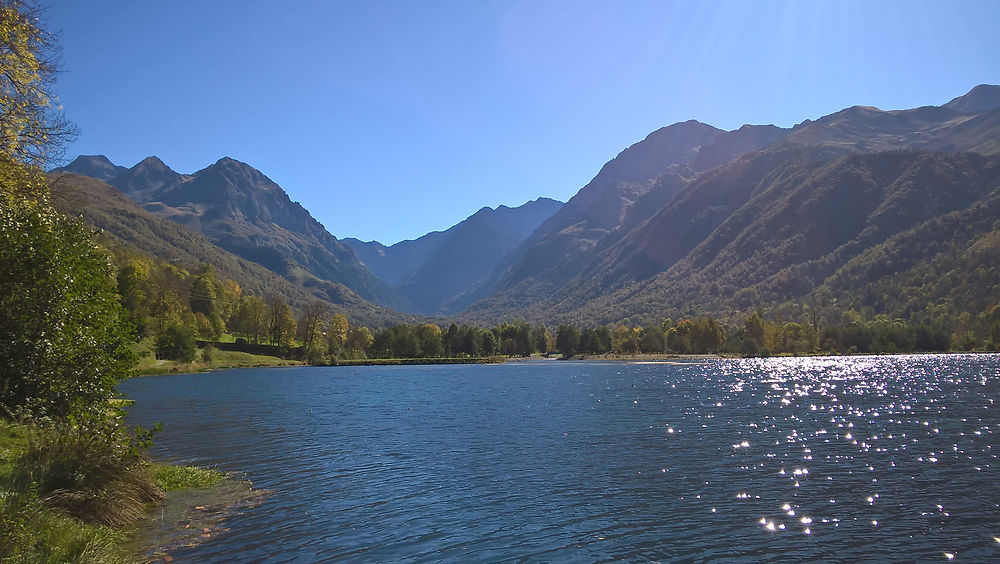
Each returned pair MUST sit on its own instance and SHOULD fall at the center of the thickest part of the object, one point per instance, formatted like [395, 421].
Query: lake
[853, 459]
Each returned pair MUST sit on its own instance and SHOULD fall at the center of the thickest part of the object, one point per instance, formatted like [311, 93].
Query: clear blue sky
[389, 119]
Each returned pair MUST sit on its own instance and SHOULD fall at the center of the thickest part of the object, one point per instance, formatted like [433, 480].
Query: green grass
[219, 360]
[169, 477]
[30, 531]
[33, 529]
[13, 443]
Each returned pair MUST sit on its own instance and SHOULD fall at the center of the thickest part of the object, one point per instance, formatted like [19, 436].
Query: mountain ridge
[689, 219]
[432, 269]
[243, 211]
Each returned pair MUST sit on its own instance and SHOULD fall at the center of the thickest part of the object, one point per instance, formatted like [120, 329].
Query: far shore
[169, 367]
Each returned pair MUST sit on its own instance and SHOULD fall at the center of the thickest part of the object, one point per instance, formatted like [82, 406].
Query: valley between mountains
[879, 212]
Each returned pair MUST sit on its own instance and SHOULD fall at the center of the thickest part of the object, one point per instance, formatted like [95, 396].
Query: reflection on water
[867, 458]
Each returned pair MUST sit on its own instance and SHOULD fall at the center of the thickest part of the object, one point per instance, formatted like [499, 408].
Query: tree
[490, 346]
[429, 338]
[358, 340]
[205, 290]
[595, 341]
[679, 337]
[176, 342]
[281, 324]
[755, 328]
[541, 339]
[707, 335]
[311, 330]
[337, 333]
[32, 130]
[652, 340]
[63, 338]
[567, 340]
[133, 283]
[625, 340]
[250, 319]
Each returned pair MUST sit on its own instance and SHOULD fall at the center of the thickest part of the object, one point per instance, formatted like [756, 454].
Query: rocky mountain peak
[94, 166]
[982, 98]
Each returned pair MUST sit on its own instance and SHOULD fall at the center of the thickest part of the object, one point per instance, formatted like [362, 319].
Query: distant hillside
[626, 191]
[889, 212]
[123, 223]
[964, 124]
[766, 228]
[238, 208]
[775, 226]
[434, 268]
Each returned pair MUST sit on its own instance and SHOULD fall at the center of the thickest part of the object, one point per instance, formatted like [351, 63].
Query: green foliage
[63, 341]
[337, 333]
[169, 477]
[35, 525]
[204, 293]
[567, 340]
[32, 532]
[133, 284]
[311, 327]
[176, 342]
[429, 340]
[625, 340]
[358, 341]
[595, 340]
[652, 340]
[91, 469]
[281, 324]
[541, 340]
[250, 319]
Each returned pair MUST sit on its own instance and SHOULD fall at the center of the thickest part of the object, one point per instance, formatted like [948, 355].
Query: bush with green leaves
[63, 339]
[176, 342]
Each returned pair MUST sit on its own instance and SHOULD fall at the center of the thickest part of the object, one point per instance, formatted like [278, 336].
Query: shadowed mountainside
[440, 265]
[241, 210]
[123, 223]
[628, 189]
[620, 246]
[692, 219]
[775, 226]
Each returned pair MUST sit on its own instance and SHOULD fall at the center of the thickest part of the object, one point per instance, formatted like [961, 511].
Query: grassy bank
[70, 496]
[211, 359]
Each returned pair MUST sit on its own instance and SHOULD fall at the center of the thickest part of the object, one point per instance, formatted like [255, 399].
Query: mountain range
[235, 207]
[430, 270]
[690, 220]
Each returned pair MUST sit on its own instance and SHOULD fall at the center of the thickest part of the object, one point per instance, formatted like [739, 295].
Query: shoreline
[648, 358]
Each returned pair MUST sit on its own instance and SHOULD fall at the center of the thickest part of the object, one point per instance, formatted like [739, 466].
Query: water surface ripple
[842, 459]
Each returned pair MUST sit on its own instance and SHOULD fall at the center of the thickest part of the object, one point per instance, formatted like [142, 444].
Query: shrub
[176, 342]
[63, 338]
[91, 469]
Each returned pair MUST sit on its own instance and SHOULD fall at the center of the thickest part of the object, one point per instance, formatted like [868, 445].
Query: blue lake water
[849, 459]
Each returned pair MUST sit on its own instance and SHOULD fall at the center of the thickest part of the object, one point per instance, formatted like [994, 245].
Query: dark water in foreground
[852, 459]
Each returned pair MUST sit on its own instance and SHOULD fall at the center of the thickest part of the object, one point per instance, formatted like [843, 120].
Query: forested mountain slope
[124, 224]
[832, 213]
[767, 228]
[794, 226]
[238, 208]
[628, 189]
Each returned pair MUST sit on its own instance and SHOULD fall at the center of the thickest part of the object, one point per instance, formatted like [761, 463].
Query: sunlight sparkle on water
[860, 424]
